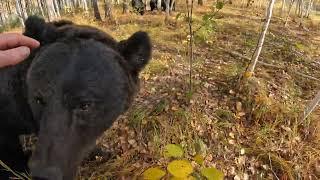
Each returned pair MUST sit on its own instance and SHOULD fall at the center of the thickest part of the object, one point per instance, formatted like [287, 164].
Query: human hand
[15, 48]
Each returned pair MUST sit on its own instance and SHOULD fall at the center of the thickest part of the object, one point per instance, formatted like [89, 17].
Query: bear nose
[38, 178]
[46, 173]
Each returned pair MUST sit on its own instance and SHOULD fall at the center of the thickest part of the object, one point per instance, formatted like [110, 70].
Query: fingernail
[25, 51]
[37, 43]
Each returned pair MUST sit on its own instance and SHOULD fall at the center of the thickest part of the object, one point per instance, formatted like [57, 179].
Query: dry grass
[277, 143]
[261, 119]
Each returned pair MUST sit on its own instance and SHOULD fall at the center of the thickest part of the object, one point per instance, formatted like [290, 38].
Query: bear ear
[136, 50]
[38, 29]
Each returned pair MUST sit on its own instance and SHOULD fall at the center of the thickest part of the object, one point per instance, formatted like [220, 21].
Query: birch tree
[56, 8]
[167, 9]
[108, 9]
[40, 7]
[288, 14]
[51, 13]
[19, 12]
[125, 6]
[310, 5]
[85, 5]
[172, 5]
[159, 5]
[258, 49]
[283, 7]
[312, 106]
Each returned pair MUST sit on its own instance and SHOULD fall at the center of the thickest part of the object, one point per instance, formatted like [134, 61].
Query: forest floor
[248, 131]
[251, 131]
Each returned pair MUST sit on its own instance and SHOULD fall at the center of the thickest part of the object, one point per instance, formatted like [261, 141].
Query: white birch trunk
[257, 52]
[147, 3]
[56, 7]
[41, 8]
[159, 5]
[309, 8]
[85, 5]
[312, 106]
[283, 7]
[50, 9]
[289, 11]
[19, 12]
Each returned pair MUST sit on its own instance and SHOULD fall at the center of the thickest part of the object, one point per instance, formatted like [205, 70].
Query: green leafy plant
[172, 150]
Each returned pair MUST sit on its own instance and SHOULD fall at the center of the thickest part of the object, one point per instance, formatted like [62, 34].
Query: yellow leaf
[184, 178]
[154, 173]
[180, 168]
[248, 74]
[198, 159]
[212, 173]
[172, 150]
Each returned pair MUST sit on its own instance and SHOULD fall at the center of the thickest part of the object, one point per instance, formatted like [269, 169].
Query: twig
[306, 76]
[313, 104]
[191, 55]
[272, 169]
[237, 54]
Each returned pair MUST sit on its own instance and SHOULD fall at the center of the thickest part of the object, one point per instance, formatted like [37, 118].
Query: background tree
[96, 10]
[108, 9]
[312, 106]
[20, 12]
[125, 6]
[258, 49]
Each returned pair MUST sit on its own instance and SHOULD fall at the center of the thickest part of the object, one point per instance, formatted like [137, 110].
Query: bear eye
[85, 106]
[39, 100]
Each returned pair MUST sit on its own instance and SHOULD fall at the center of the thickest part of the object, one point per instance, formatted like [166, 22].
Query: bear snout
[39, 172]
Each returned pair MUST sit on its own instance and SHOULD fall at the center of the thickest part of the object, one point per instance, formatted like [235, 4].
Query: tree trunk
[125, 7]
[19, 12]
[9, 7]
[56, 8]
[313, 104]
[159, 5]
[167, 9]
[257, 52]
[50, 10]
[283, 7]
[40, 6]
[96, 10]
[108, 9]
[301, 8]
[173, 6]
[147, 4]
[310, 3]
[289, 11]
[23, 9]
[297, 7]
[85, 5]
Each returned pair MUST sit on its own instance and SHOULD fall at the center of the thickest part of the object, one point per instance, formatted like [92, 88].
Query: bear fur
[68, 92]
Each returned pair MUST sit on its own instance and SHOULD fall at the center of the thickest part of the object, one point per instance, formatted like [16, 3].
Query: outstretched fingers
[13, 40]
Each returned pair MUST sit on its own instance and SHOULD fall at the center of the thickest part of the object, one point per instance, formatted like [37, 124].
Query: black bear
[138, 6]
[154, 4]
[69, 91]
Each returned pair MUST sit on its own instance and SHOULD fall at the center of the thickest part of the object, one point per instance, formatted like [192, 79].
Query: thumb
[13, 56]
